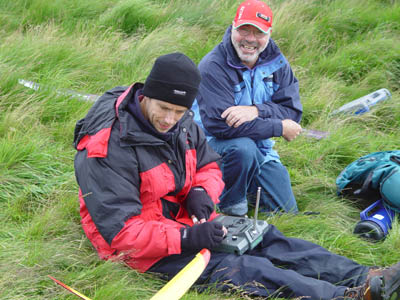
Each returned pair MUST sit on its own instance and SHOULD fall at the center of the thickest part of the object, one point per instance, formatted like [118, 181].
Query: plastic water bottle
[363, 104]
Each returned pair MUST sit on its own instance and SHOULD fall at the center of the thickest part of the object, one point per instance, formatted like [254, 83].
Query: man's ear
[143, 106]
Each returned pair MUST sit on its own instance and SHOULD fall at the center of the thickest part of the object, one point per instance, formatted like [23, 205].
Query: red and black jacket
[133, 184]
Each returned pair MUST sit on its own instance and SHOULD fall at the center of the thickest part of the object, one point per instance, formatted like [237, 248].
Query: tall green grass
[340, 50]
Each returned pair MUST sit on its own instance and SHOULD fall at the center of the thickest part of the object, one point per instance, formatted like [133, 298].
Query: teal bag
[372, 177]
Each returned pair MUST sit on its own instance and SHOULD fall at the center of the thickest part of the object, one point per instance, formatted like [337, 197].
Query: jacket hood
[101, 115]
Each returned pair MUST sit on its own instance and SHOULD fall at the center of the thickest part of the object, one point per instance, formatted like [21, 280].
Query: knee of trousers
[242, 151]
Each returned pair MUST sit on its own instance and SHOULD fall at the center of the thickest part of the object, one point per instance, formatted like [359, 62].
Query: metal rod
[257, 205]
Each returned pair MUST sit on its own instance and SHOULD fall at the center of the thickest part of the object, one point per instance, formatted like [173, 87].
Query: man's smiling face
[162, 115]
[249, 42]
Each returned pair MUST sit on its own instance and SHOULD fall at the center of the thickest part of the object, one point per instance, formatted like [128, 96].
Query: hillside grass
[339, 49]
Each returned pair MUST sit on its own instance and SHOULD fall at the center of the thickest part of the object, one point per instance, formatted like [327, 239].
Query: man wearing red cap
[249, 94]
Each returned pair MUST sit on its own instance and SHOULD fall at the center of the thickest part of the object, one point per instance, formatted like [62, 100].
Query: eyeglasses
[245, 31]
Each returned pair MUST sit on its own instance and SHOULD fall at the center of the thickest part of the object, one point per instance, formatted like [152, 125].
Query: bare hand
[236, 115]
[290, 129]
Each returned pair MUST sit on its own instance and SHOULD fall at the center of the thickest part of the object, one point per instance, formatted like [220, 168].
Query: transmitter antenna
[256, 209]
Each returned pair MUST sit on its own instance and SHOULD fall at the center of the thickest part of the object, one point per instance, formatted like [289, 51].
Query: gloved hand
[205, 235]
[199, 203]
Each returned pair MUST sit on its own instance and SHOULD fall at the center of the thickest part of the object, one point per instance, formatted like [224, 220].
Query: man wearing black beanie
[174, 78]
[148, 179]
[149, 183]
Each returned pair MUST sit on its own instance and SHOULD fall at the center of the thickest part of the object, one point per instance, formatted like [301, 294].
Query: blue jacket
[226, 81]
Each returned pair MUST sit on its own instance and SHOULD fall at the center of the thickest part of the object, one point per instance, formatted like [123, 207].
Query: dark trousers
[278, 266]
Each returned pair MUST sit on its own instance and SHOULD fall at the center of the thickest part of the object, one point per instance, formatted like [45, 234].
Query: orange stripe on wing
[69, 288]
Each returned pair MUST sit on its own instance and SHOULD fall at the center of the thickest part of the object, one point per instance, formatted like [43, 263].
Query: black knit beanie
[174, 78]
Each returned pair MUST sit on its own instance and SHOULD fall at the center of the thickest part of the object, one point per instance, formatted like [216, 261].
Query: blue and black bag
[372, 177]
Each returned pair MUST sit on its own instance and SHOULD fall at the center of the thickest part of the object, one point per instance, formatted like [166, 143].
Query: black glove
[199, 203]
[205, 235]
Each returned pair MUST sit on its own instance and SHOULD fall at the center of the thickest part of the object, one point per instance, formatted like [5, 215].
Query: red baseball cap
[254, 12]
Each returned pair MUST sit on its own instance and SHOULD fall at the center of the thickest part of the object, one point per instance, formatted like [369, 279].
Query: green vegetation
[339, 49]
